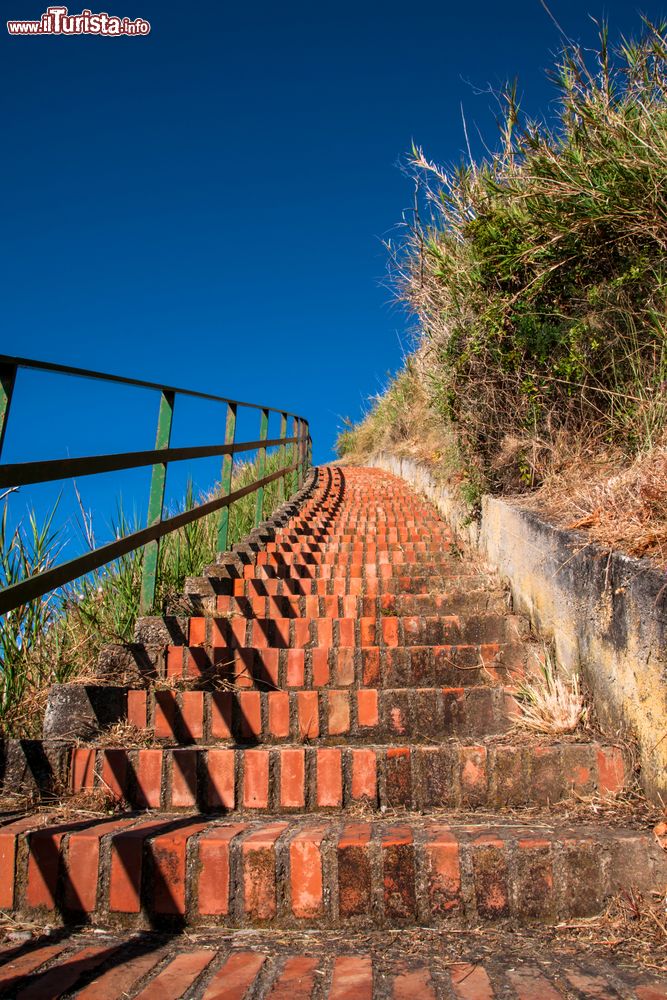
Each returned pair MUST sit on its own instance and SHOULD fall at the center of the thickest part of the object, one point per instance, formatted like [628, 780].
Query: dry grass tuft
[550, 703]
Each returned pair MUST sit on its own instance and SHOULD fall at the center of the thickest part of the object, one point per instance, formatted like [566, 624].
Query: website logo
[58, 21]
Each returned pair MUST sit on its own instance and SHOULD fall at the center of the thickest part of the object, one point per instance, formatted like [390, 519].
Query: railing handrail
[50, 366]
[27, 473]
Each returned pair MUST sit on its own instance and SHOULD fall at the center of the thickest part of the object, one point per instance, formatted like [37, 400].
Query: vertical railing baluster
[282, 456]
[7, 380]
[156, 502]
[261, 467]
[299, 457]
[293, 457]
[226, 480]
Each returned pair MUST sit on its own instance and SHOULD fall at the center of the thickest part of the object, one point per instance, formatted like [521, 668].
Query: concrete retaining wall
[606, 612]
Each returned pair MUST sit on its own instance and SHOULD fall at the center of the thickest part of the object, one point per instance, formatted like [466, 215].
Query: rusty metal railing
[293, 464]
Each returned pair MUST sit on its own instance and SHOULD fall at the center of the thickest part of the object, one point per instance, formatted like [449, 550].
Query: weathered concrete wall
[606, 612]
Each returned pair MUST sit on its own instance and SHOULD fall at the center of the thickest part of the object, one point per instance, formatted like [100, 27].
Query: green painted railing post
[7, 379]
[309, 450]
[156, 502]
[226, 480]
[293, 454]
[299, 455]
[261, 467]
[282, 456]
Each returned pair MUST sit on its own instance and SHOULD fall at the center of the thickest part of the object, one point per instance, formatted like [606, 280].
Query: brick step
[297, 778]
[464, 665]
[331, 552]
[339, 560]
[402, 585]
[445, 567]
[354, 966]
[236, 631]
[360, 715]
[193, 870]
[350, 606]
[394, 536]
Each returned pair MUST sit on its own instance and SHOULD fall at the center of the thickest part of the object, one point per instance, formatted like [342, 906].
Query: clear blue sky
[205, 206]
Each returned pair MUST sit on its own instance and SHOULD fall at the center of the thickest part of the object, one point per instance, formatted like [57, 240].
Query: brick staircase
[318, 746]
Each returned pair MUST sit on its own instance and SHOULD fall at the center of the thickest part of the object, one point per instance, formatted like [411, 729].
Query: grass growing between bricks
[57, 638]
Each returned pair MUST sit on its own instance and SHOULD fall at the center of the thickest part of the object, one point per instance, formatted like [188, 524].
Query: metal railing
[148, 538]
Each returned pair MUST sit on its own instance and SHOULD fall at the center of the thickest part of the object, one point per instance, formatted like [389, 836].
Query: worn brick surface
[344, 686]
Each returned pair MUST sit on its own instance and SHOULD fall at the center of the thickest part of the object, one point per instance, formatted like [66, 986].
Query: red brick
[279, 632]
[443, 871]
[529, 984]
[473, 775]
[236, 976]
[269, 666]
[390, 631]
[329, 778]
[306, 879]
[339, 712]
[320, 667]
[490, 877]
[413, 984]
[193, 714]
[398, 868]
[43, 868]
[308, 712]
[177, 657]
[611, 770]
[214, 870]
[183, 779]
[346, 632]
[367, 707]
[168, 851]
[117, 982]
[591, 986]
[82, 768]
[62, 977]
[197, 632]
[165, 714]
[295, 667]
[14, 972]
[148, 778]
[279, 715]
[344, 667]
[259, 872]
[250, 710]
[370, 666]
[126, 867]
[137, 708]
[175, 979]
[292, 778]
[83, 856]
[651, 992]
[534, 878]
[295, 981]
[470, 982]
[367, 631]
[354, 870]
[352, 978]
[8, 843]
[364, 775]
[302, 637]
[220, 791]
[221, 715]
[256, 779]
[324, 632]
[114, 772]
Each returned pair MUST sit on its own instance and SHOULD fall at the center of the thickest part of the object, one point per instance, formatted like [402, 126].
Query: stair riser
[236, 631]
[312, 780]
[357, 715]
[368, 667]
[420, 605]
[322, 874]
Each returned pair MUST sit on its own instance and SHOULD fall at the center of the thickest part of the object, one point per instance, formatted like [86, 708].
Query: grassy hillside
[538, 280]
